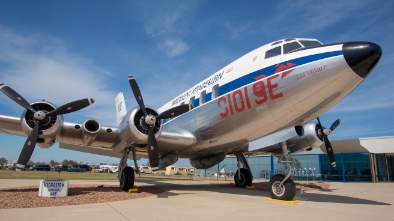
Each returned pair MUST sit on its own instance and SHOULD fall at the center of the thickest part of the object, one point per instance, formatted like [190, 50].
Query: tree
[295, 163]
[3, 161]
[65, 163]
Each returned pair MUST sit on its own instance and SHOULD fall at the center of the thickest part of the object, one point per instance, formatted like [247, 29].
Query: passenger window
[191, 103]
[291, 47]
[202, 97]
[273, 52]
[215, 91]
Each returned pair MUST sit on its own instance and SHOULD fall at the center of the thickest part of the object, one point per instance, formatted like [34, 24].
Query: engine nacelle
[134, 129]
[167, 160]
[50, 127]
[207, 162]
[90, 129]
[309, 140]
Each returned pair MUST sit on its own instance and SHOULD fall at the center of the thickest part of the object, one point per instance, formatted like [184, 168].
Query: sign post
[53, 188]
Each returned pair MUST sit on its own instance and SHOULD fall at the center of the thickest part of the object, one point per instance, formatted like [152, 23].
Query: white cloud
[307, 18]
[174, 47]
[39, 67]
[237, 30]
[169, 26]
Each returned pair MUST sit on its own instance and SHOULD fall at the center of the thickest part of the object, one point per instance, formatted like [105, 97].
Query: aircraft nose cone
[362, 57]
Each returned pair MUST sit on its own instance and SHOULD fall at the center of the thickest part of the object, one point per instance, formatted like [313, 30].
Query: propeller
[39, 117]
[324, 132]
[150, 120]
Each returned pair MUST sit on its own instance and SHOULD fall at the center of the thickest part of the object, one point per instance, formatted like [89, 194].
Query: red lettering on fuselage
[272, 86]
[224, 101]
[239, 100]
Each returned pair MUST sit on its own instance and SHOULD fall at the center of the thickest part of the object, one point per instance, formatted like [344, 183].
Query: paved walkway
[200, 200]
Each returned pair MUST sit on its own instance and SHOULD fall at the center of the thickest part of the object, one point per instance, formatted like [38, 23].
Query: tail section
[120, 108]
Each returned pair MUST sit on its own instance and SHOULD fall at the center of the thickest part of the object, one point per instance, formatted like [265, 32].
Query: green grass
[53, 175]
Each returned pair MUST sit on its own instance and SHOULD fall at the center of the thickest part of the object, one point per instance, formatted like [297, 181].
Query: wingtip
[131, 77]
[91, 101]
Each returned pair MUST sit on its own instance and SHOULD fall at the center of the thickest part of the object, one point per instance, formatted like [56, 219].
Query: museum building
[357, 160]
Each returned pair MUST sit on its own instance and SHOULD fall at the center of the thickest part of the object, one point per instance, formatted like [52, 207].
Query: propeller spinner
[150, 120]
[324, 132]
[39, 116]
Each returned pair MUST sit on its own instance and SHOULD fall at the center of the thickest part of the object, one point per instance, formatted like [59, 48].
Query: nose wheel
[282, 187]
[285, 191]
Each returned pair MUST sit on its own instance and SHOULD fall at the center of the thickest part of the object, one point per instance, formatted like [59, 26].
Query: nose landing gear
[283, 187]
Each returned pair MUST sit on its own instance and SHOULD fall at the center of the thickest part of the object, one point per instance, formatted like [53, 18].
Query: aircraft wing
[70, 136]
[11, 125]
[107, 141]
[270, 144]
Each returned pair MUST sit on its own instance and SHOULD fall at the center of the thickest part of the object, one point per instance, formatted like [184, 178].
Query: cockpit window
[275, 43]
[273, 52]
[291, 47]
[310, 43]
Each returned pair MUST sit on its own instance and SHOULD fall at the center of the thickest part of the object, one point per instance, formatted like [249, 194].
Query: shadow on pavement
[195, 188]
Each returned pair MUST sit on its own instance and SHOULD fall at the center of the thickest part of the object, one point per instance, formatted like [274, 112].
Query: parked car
[79, 168]
[103, 169]
[43, 167]
[113, 169]
[62, 168]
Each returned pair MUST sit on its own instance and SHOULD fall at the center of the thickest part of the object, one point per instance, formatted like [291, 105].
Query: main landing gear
[125, 173]
[282, 186]
[243, 177]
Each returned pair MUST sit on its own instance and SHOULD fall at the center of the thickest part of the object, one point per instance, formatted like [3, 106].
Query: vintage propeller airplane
[272, 94]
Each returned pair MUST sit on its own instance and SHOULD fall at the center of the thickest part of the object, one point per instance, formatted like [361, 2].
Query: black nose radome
[362, 57]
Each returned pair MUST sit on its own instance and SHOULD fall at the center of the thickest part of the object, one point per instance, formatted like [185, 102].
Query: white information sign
[53, 188]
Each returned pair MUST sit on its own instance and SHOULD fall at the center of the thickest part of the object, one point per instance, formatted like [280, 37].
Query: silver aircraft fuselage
[257, 96]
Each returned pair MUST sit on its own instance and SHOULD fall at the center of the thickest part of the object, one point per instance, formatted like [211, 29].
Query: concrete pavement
[200, 200]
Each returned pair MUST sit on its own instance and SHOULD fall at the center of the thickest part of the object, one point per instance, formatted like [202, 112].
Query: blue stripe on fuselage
[249, 78]
[268, 71]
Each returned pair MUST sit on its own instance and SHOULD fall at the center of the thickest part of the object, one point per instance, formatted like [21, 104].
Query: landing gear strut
[125, 173]
[243, 177]
[282, 187]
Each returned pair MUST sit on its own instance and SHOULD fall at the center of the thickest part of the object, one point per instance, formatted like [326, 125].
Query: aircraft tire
[127, 179]
[282, 192]
[246, 178]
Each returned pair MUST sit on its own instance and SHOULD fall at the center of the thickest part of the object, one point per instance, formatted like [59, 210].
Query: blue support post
[272, 166]
[343, 168]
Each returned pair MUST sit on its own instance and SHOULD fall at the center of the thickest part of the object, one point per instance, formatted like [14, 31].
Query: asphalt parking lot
[201, 200]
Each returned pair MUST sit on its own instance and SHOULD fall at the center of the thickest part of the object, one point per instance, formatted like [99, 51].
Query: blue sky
[62, 51]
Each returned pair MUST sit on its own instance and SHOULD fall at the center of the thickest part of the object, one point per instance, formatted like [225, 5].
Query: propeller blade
[16, 97]
[152, 150]
[72, 106]
[28, 148]
[335, 124]
[321, 126]
[173, 112]
[330, 151]
[137, 94]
